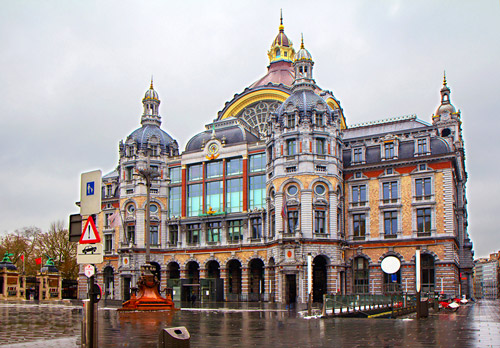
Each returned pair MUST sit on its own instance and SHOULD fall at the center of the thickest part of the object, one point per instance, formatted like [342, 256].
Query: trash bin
[175, 337]
[424, 308]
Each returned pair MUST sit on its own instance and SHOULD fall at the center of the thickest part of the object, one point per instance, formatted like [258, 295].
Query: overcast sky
[73, 74]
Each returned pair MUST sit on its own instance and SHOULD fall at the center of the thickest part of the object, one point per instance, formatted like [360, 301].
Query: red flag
[38, 261]
[22, 258]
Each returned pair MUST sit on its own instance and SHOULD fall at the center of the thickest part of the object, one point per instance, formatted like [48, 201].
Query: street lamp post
[149, 175]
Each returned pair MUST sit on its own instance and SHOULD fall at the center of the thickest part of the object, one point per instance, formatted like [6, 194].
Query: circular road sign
[390, 264]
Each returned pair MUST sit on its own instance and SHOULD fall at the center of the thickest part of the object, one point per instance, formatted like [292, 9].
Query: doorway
[291, 289]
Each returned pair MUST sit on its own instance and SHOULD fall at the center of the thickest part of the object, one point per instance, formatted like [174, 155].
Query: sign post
[90, 249]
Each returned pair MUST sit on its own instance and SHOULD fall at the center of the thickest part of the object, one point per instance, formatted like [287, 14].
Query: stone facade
[279, 176]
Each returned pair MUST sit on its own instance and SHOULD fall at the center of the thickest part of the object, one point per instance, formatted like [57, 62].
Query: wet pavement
[35, 325]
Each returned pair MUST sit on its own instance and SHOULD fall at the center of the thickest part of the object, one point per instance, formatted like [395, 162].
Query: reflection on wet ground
[476, 325]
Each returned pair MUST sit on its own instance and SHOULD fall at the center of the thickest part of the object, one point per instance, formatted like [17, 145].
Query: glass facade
[258, 163]
[234, 195]
[234, 166]
[213, 197]
[175, 175]
[195, 172]
[175, 201]
[214, 169]
[257, 192]
[195, 200]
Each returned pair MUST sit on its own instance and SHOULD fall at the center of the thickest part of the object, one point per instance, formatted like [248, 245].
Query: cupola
[281, 48]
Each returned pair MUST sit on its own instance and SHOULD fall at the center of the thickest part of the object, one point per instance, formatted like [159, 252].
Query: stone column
[244, 283]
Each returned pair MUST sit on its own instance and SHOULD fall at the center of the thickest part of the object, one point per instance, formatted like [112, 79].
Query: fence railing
[343, 304]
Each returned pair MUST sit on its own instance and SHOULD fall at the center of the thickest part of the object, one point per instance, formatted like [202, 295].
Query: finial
[301, 40]
[282, 27]
[444, 78]
[151, 87]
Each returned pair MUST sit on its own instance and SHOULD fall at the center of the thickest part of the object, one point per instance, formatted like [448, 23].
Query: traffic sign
[89, 253]
[90, 193]
[89, 270]
[90, 234]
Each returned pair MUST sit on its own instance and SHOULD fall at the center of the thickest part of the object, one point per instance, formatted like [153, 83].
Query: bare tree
[55, 243]
[22, 242]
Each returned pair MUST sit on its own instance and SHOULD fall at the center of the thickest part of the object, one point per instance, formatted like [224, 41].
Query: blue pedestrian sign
[90, 193]
[90, 188]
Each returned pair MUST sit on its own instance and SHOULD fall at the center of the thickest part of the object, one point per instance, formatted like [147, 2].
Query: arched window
[361, 276]
[278, 52]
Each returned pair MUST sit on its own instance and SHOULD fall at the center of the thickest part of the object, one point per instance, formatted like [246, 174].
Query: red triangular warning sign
[90, 234]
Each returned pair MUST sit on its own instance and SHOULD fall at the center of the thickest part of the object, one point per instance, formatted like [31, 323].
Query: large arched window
[428, 273]
[361, 276]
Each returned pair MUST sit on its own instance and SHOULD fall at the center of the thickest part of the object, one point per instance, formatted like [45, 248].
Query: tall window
[390, 224]
[293, 220]
[173, 234]
[423, 189]
[428, 274]
[256, 224]
[273, 224]
[195, 200]
[213, 232]
[389, 150]
[195, 172]
[193, 234]
[359, 226]
[175, 201]
[109, 190]
[358, 154]
[390, 191]
[422, 146]
[258, 163]
[234, 195]
[291, 147]
[257, 191]
[214, 169]
[290, 121]
[424, 221]
[131, 234]
[129, 173]
[319, 221]
[106, 220]
[320, 146]
[213, 198]
[175, 175]
[359, 195]
[108, 243]
[234, 166]
[234, 234]
[318, 120]
[361, 276]
[153, 236]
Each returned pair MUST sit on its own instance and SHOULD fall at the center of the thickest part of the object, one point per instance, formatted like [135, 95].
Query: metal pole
[418, 285]
[309, 284]
[89, 334]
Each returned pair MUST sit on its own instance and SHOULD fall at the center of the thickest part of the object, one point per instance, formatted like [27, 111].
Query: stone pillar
[223, 276]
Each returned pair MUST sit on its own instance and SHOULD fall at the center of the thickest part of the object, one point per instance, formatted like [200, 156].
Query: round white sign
[89, 271]
[390, 264]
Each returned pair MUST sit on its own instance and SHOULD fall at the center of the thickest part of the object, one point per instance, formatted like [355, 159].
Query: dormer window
[422, 146]
[290, 121]
[318, 120]
[389, 150]
[357, 155]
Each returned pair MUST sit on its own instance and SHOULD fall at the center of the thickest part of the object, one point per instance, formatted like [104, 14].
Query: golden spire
[301, 40]
[282, 27]
[444, 78]
[151, 86]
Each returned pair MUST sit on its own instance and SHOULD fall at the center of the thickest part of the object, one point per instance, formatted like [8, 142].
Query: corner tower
[305, 176]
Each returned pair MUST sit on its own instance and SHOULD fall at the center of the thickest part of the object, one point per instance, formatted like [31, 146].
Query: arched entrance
[193, 272]
[191, 289]
[212, 270]
[233, 280]
[156, 270]
[255, 279]
[173, 270]
[109, 281]
[319, 278]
